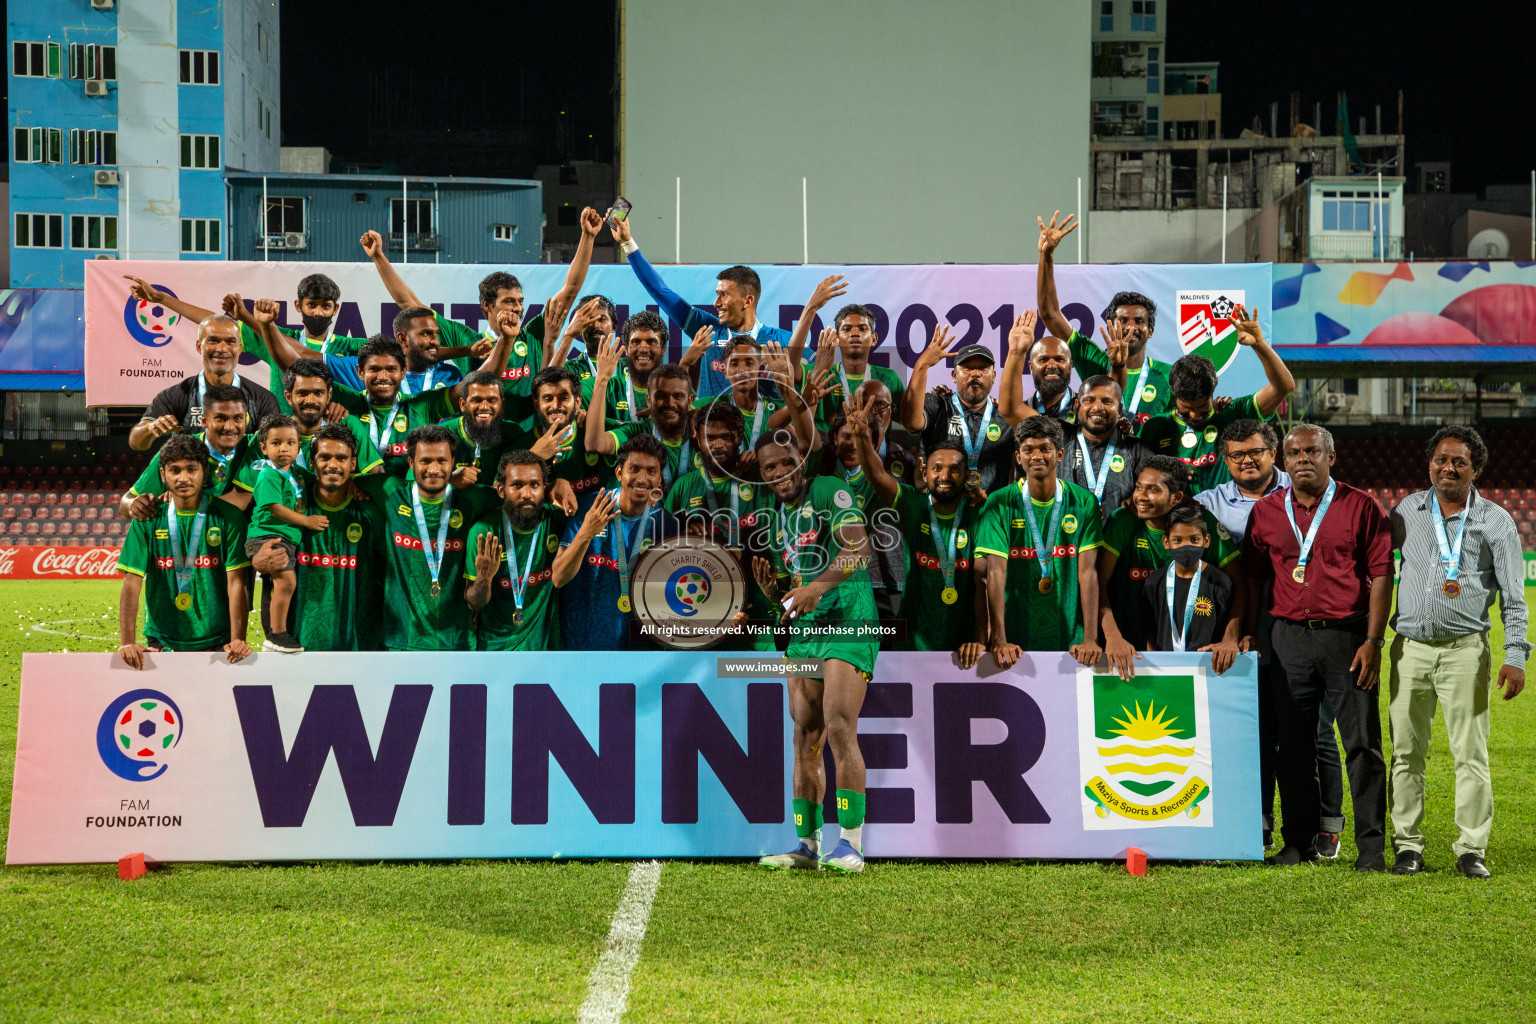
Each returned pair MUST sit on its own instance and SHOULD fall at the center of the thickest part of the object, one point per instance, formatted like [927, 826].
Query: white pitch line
[608, 986]
[42, 627]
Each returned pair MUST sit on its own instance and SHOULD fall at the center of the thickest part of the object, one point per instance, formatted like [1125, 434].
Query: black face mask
[317, 326]
[1188, 555]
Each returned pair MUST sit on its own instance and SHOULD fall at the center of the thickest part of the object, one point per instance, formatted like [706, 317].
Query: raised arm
[797, 411]
[938, 350]
[1045, 275]
[1010, 390]
[576, 273]
[261, 317]
[146, 292]
[671, 303]
[399, 292]
[875, 472]
[1281, 383]
[826, 290]
[597, 437]
[487, 561]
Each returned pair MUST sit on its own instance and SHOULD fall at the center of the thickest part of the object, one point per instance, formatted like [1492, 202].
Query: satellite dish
[1489, 244]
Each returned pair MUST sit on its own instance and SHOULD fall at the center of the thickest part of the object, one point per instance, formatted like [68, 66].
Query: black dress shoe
[1370, 862]
[1409, 862]
[1471, 865]
[1291, 855]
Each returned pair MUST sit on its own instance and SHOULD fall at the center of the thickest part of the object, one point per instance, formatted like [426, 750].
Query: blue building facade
[320, 217]
[123, 119]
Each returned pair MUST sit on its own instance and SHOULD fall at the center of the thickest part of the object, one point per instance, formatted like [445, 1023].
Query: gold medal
[1299, 574]
[1046, 585]
[1451, 588]
[437, 588]
[974, 480]
[797, 580]
[517, 618]
[624, 603]
[1189, 439]
[183, 601]
[950, 595]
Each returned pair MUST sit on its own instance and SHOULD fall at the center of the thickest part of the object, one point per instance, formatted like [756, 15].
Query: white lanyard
[1179, 635]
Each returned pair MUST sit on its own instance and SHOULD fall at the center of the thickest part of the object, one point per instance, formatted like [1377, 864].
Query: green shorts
[860, 656]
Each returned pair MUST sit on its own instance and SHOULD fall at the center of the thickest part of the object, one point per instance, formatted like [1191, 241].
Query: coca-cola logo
[7, 560]
[71, 562]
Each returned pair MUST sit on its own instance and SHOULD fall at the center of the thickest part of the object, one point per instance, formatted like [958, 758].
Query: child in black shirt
[1186, 541]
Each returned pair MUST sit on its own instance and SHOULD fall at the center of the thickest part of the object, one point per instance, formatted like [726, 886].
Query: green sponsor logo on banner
[1145, 749]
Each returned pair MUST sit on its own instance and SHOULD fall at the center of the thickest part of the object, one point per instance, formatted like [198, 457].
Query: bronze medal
[1451, 588]
[797, 580]
[1046, 585]
[517, 618]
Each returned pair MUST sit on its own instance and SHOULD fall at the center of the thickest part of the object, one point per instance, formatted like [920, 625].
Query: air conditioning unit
[1134, 49]
[106, 178]
[295, 240]
[95, 87]
[102, 5]
[1335, 401]
[1133, 109]
[104, 256]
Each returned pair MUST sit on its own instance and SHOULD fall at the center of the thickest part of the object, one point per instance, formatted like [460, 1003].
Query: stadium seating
[70, 506]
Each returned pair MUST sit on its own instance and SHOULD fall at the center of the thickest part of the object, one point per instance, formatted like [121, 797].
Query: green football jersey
[754, 419]
[831, 404]
[525, 360]
[1150, 382]
[621, 388]
[386, 433]
[803, 542]
[585, 471]
[468, 453]
[934, 624]
[224, 474]
[1039, 621]
[531, 557]
[1139, 553]
[415, 620]
[275, 487]
[1198, 447]
[368, 457]
[253, 344]
[217, 549]
[736, 513]
[339, 597]
[682, 455]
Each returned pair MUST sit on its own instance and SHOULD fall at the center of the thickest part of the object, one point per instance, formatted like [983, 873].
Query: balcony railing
[418, 242]
[1354, 246]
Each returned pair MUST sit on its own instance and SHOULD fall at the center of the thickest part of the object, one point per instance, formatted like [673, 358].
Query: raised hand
[828, 289]
[144, 292]
[234, 306]
[857, 415]
[591, 223]
[1022, 334]
[1116, 345]
[372, 243]
[938, 349]
[762, 571]
[1051, 234]
[508, 324]
[703, 341]
[585, 317]
[563, 496]
[619, 229]
[776, 361]
[487, 556]
[554, 318]
[604, 508]
[818, 385]
[548, 446]
[1248, 331]
[263, 312]
[609, 350]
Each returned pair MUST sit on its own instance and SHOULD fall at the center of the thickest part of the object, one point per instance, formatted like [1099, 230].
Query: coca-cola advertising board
[49, 562]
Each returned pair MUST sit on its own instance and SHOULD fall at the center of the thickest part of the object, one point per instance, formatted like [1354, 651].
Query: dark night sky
[472, 88]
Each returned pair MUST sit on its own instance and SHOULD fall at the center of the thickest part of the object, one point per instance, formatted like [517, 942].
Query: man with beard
[555, 434]
[1041, 538]
[230, 451]
[511, 577]
[426, 524]
[187, 563]
[339, 595]
[180, 406]
[1134, 551]
[1050, 364]
[1099, 456]
[1134, 317]
[670, 419]
[645, 348]
[840, 459]
[478, 442]
[943, 607]
[816, 575]
[1189, 433]
[744, 359]
[737, 290]
[501, 303]
[595, 319]
[318, 300]
[601, 544]
[715, 501]
[968, 416]
[307, 391]
[849, 362]
[415, 329]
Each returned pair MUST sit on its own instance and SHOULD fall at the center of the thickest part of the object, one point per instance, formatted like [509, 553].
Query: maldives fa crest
[1208, 325]
[1144, 749]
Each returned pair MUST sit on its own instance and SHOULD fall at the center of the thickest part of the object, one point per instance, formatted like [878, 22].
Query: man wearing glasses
[1248, 447]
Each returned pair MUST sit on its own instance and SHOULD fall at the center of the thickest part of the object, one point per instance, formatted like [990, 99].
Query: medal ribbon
[434, 556]
[1141, 379]
[1450, 554]
[973, 443]
[202, 388]
[380, 438]
[946, 560]
[1317, 520]
[714, 506]
[181, 561]
[222, 458]
[757, 422]
[1045, 547]
[426, 382]
[683, 461]
[623, 554]
[1096, 481]
[520, 583]
[1189, 606]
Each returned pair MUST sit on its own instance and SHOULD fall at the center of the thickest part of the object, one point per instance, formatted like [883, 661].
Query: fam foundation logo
[1208, 325]
[1144, 748]
[150, 323]
[137, 733]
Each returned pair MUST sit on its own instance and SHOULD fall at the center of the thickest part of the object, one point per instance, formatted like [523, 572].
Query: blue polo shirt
[589, 605]
[1231, 508]
[439, 375]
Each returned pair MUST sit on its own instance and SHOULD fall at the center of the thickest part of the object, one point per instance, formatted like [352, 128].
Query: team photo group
[450, 488]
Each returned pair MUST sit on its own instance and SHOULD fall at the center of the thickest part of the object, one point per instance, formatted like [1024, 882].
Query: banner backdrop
[47, 562]
[133, 350]
[360, 756]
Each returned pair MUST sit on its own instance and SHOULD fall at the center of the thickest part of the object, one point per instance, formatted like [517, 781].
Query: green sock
[818, 816]
[850, 815]
[804, 829]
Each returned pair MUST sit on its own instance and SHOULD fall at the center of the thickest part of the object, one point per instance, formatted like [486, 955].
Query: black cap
[973, 352]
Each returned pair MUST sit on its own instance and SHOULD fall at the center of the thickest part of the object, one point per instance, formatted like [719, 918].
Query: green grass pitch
[515, 941]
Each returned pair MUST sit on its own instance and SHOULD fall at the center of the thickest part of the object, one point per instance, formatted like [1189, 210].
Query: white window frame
[211, 226]
[28, 145]
[26, 54]
[274, 201]
[211, 157]
[92, 147]
[503, 232]
[106, 231]
[51, 225]
[91, 60]
[430, 206]
[188, 72]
